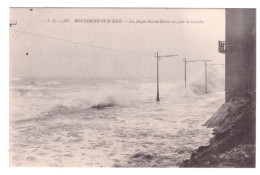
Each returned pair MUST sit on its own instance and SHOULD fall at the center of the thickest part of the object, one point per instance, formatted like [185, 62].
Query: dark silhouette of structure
[240, 51]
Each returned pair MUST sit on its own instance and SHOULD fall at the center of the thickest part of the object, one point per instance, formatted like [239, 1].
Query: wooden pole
[185, 74]
[206, 85]
[157, 98]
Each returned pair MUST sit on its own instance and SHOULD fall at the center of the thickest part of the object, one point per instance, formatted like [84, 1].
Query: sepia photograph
[132, 87]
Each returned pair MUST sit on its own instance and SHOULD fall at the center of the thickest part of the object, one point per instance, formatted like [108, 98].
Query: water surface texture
[106, 123]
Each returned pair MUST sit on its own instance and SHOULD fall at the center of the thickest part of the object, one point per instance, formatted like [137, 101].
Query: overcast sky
[103, 50]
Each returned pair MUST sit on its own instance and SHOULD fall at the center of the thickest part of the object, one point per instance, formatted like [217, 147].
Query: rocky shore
[233, 144]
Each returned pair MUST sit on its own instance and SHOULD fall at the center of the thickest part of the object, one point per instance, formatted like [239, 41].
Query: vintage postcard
[132, 87]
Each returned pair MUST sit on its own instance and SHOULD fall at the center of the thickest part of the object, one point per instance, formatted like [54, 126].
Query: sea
[76, 122]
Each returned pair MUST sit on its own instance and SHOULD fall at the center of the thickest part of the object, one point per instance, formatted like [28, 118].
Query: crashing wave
[108, 102]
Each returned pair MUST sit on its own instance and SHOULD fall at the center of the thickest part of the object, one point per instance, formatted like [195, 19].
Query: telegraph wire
[80, 43]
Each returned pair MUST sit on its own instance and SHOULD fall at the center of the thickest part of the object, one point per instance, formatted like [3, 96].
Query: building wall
[240, 51]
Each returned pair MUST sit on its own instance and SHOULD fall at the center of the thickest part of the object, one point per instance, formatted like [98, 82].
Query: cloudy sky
[109, 50]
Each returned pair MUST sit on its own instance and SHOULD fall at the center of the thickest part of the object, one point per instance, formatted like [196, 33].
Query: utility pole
[206, 75]
[158, 58]
[206, 83]
[185, 76]
[157, 97]
[185, 69]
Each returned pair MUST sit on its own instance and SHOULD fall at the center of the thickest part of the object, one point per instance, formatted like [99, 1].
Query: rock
[233, 144]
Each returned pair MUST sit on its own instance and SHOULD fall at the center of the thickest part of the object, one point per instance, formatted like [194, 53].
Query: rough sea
[107, 122]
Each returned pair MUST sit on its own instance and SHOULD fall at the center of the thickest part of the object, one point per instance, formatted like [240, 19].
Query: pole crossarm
[197, 60]
[216, 64]
[13, 23]
[167, 56]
